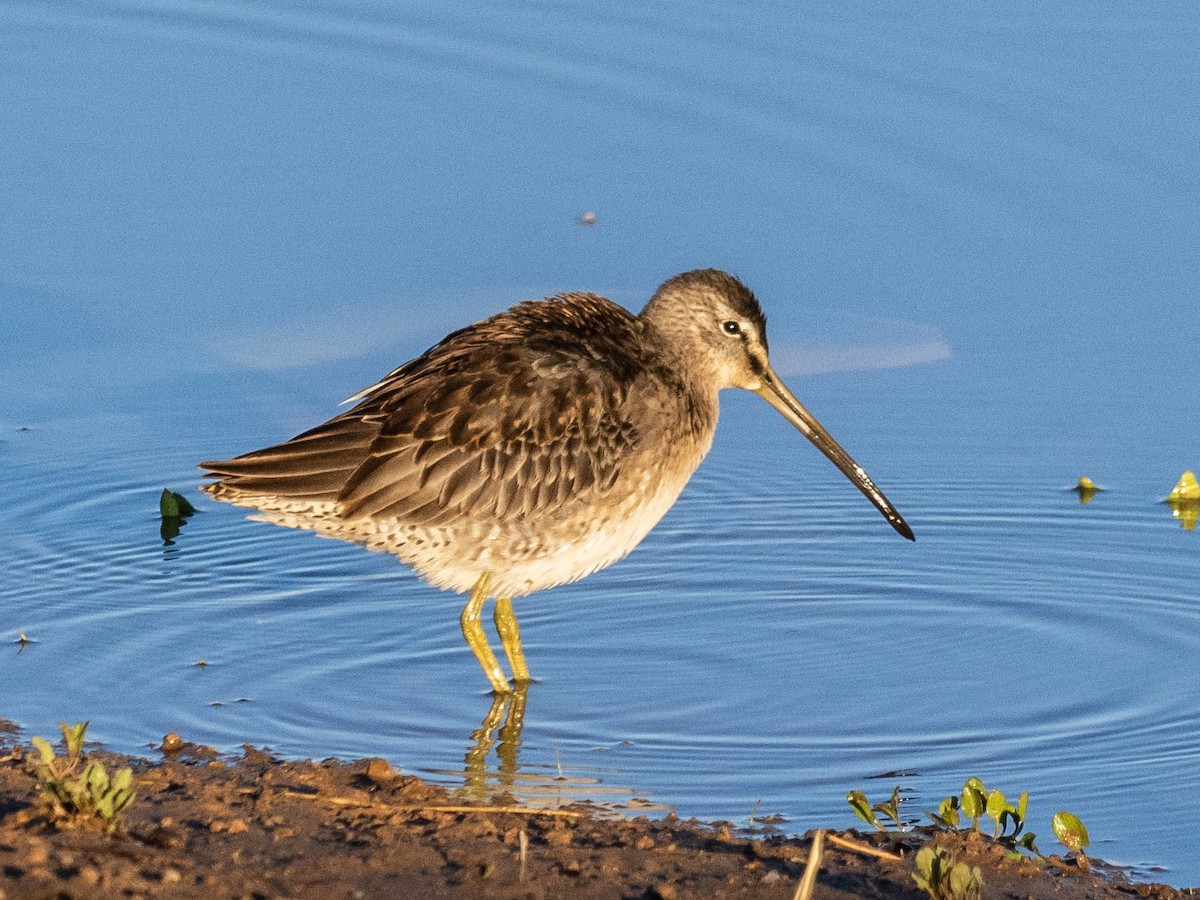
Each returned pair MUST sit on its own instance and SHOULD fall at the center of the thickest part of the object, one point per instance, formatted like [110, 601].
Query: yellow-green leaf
[1070, 832]
[44, 749]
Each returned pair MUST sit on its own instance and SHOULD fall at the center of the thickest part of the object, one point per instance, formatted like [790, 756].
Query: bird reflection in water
[501, 728]
[535, 786]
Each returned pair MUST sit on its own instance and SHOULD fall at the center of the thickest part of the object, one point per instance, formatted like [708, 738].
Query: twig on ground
[858, 847]
[804, 890]
[420, 807]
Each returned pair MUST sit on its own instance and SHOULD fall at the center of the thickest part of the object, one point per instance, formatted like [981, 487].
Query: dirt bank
[255, 827]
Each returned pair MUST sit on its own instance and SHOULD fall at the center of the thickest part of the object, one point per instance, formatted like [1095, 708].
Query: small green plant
[753, 813]
[948, 815]
[1010, 820]
[976, 801]
[1072, 834]
[942, 878]
[864, 810]
[87, 797]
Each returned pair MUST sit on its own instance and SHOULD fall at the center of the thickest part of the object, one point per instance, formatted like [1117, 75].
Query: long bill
[776, 393]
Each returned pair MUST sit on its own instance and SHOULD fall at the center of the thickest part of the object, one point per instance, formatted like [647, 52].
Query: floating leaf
[175, 509]
[174, 506]
[1188, 488]
[1086, 489]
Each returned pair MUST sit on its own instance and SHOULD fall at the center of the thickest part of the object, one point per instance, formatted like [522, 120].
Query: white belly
[522, 556]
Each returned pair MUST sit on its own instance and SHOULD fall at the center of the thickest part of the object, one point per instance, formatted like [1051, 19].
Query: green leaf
[1006, 816]
[925, 858]
[974, 801]
[174, 506]
[947, 815]
[862, 808]
[976, 886]
[43, 748]
[891, 807]
[122, 799]
[96, 779]
[73, 736]
[1022, 804]
[1071, 832]
[75, 792]
[996, 803]
[960, 880]
[122, 780]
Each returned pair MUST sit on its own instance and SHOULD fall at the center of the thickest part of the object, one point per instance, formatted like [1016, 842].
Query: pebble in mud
[36, 853]
[379, 772]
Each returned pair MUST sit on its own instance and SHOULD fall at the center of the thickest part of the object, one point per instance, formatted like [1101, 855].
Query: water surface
[974, 235]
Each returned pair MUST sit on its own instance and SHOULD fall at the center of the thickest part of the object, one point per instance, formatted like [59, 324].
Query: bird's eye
[732, 327]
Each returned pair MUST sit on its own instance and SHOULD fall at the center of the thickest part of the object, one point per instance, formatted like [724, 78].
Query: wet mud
[210, 827]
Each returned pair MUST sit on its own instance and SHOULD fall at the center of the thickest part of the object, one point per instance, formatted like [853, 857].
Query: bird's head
[718, 331]
[717, 326]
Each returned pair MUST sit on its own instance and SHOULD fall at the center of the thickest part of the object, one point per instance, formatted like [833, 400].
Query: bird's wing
[503, 420]
[311, 466]
[511, 416]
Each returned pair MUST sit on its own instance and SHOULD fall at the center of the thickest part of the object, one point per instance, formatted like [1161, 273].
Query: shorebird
[532, 448]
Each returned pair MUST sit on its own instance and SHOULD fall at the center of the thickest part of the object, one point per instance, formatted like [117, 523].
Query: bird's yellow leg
[477, 640]
[510, 637]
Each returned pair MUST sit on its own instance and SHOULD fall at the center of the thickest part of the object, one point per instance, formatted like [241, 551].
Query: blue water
[974, 232]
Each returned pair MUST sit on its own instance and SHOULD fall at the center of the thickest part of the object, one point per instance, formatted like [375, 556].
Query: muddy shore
[255, 827]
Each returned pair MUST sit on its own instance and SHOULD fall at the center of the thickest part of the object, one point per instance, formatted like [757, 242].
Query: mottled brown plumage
[531, 448]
